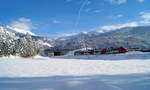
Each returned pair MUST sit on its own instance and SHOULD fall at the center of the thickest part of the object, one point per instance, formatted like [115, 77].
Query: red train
[113, 50]
[102, 51]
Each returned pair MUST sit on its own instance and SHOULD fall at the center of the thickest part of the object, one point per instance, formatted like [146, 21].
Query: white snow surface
[129, 71]
[47, 44]
[75, 65]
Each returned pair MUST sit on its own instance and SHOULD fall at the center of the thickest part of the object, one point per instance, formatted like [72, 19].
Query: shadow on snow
[95, 82]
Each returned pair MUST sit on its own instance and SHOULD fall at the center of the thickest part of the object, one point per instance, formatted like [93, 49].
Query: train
[111, 50]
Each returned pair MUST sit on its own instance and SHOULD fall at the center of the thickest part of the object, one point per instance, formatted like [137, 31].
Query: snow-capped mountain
[14, 32]
[10, 29]
[137, 36]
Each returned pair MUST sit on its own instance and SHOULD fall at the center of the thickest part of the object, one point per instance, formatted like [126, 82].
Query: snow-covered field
[129, 71]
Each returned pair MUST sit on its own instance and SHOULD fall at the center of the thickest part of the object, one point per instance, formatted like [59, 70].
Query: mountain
[14, 32]
[130, 37]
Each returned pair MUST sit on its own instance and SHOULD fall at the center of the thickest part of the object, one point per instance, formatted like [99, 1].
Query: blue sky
[73, 16]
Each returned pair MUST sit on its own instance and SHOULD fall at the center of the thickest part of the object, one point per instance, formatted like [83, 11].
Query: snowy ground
[105, 72]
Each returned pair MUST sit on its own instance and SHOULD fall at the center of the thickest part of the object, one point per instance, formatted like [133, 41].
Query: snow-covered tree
[6, 42]
[26, 46]
[21, 46]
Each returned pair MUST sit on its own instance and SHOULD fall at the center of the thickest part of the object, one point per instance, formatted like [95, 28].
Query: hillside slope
[127, 37]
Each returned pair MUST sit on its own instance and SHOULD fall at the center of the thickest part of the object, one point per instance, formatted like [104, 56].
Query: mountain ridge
[127, 36]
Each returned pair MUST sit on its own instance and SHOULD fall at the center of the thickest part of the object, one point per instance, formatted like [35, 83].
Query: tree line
[18, 46]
